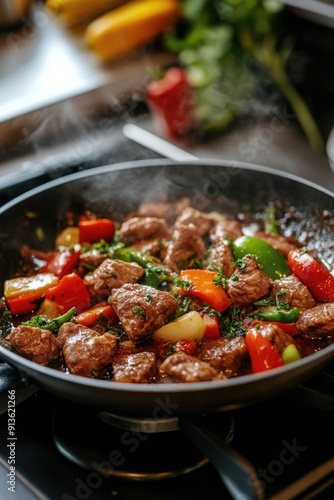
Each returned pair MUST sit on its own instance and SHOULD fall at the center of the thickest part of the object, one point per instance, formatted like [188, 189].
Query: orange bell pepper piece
[200, 283]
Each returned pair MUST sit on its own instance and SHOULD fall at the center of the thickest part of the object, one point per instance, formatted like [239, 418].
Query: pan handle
[238, 475]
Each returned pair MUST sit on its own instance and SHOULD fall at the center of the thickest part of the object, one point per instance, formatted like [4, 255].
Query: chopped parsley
[141, 312]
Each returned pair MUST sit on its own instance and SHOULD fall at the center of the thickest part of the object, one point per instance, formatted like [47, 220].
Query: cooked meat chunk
[138, 368]
[317, 323]
[186, 247]
[165, 210]
[86, 352]
[225, 355]
[184, 368]
[114, 273]
[293, 292]
[226, 229]
[35, 344]
[203, 222]
[142, 309]
[282, 244]
[92, 259]
[276, 336]
[139, 229]
[222, 256]
[248, 283]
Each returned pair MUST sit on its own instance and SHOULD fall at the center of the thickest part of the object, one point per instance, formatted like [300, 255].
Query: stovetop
[287, 440]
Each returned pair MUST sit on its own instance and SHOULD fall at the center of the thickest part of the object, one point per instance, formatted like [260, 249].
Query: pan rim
[158, 163]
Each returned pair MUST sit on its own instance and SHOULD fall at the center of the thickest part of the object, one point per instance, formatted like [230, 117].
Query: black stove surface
[288, 441]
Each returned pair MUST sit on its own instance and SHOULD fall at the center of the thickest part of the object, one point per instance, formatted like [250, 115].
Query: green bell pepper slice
[290, 354]
[273, 263]
[52, 325]
[272, 313]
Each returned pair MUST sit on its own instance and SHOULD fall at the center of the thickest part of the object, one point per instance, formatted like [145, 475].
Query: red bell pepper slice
[92, 231]
[23, 294]
[95, 313]
[62, 262]
[311, 273]
[25, 304]
[290, 328]
[263, 354]
[171, 102]
[70, 292]
[188, 346]
[202, 286]
[212, 331]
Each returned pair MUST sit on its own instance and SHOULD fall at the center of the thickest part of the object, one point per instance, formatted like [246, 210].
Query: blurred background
[254, 83]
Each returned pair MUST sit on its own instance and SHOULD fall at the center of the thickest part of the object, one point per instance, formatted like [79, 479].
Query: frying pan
[115, 190]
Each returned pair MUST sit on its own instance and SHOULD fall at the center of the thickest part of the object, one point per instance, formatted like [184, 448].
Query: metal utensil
[13, 11]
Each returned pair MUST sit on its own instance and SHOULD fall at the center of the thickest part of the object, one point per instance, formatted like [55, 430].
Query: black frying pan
[223, 186]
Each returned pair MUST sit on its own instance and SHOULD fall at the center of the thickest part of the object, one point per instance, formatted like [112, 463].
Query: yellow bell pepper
[23, 294]
[71, 12]
[126, 28]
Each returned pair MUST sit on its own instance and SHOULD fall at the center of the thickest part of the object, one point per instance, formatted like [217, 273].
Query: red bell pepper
[317, 279]
[70, 292]
[23, 294]
[62, 262]
[92, 231]
[290, 328]
[95, 313]
[201, 285]
[263, 354]
[171, 102]
[187, 346]
[212, 331]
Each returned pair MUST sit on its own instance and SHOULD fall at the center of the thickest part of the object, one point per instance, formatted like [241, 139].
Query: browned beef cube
[186, 247]
[35, 344]
[203, 222]
[248, 283]
[282, 244]
[296, 294]
[318, 322]
[92, 259]
[138, 368]
[142, 309]
[226, 229]
[165, 210]
[184, 368]
[86, 352]
[143, 228]
[222, 256]
[276, 336]
[225, 355]
[113, 274]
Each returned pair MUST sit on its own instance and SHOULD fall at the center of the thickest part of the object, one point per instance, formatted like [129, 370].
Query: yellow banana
[130, 26]
[71, 12]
